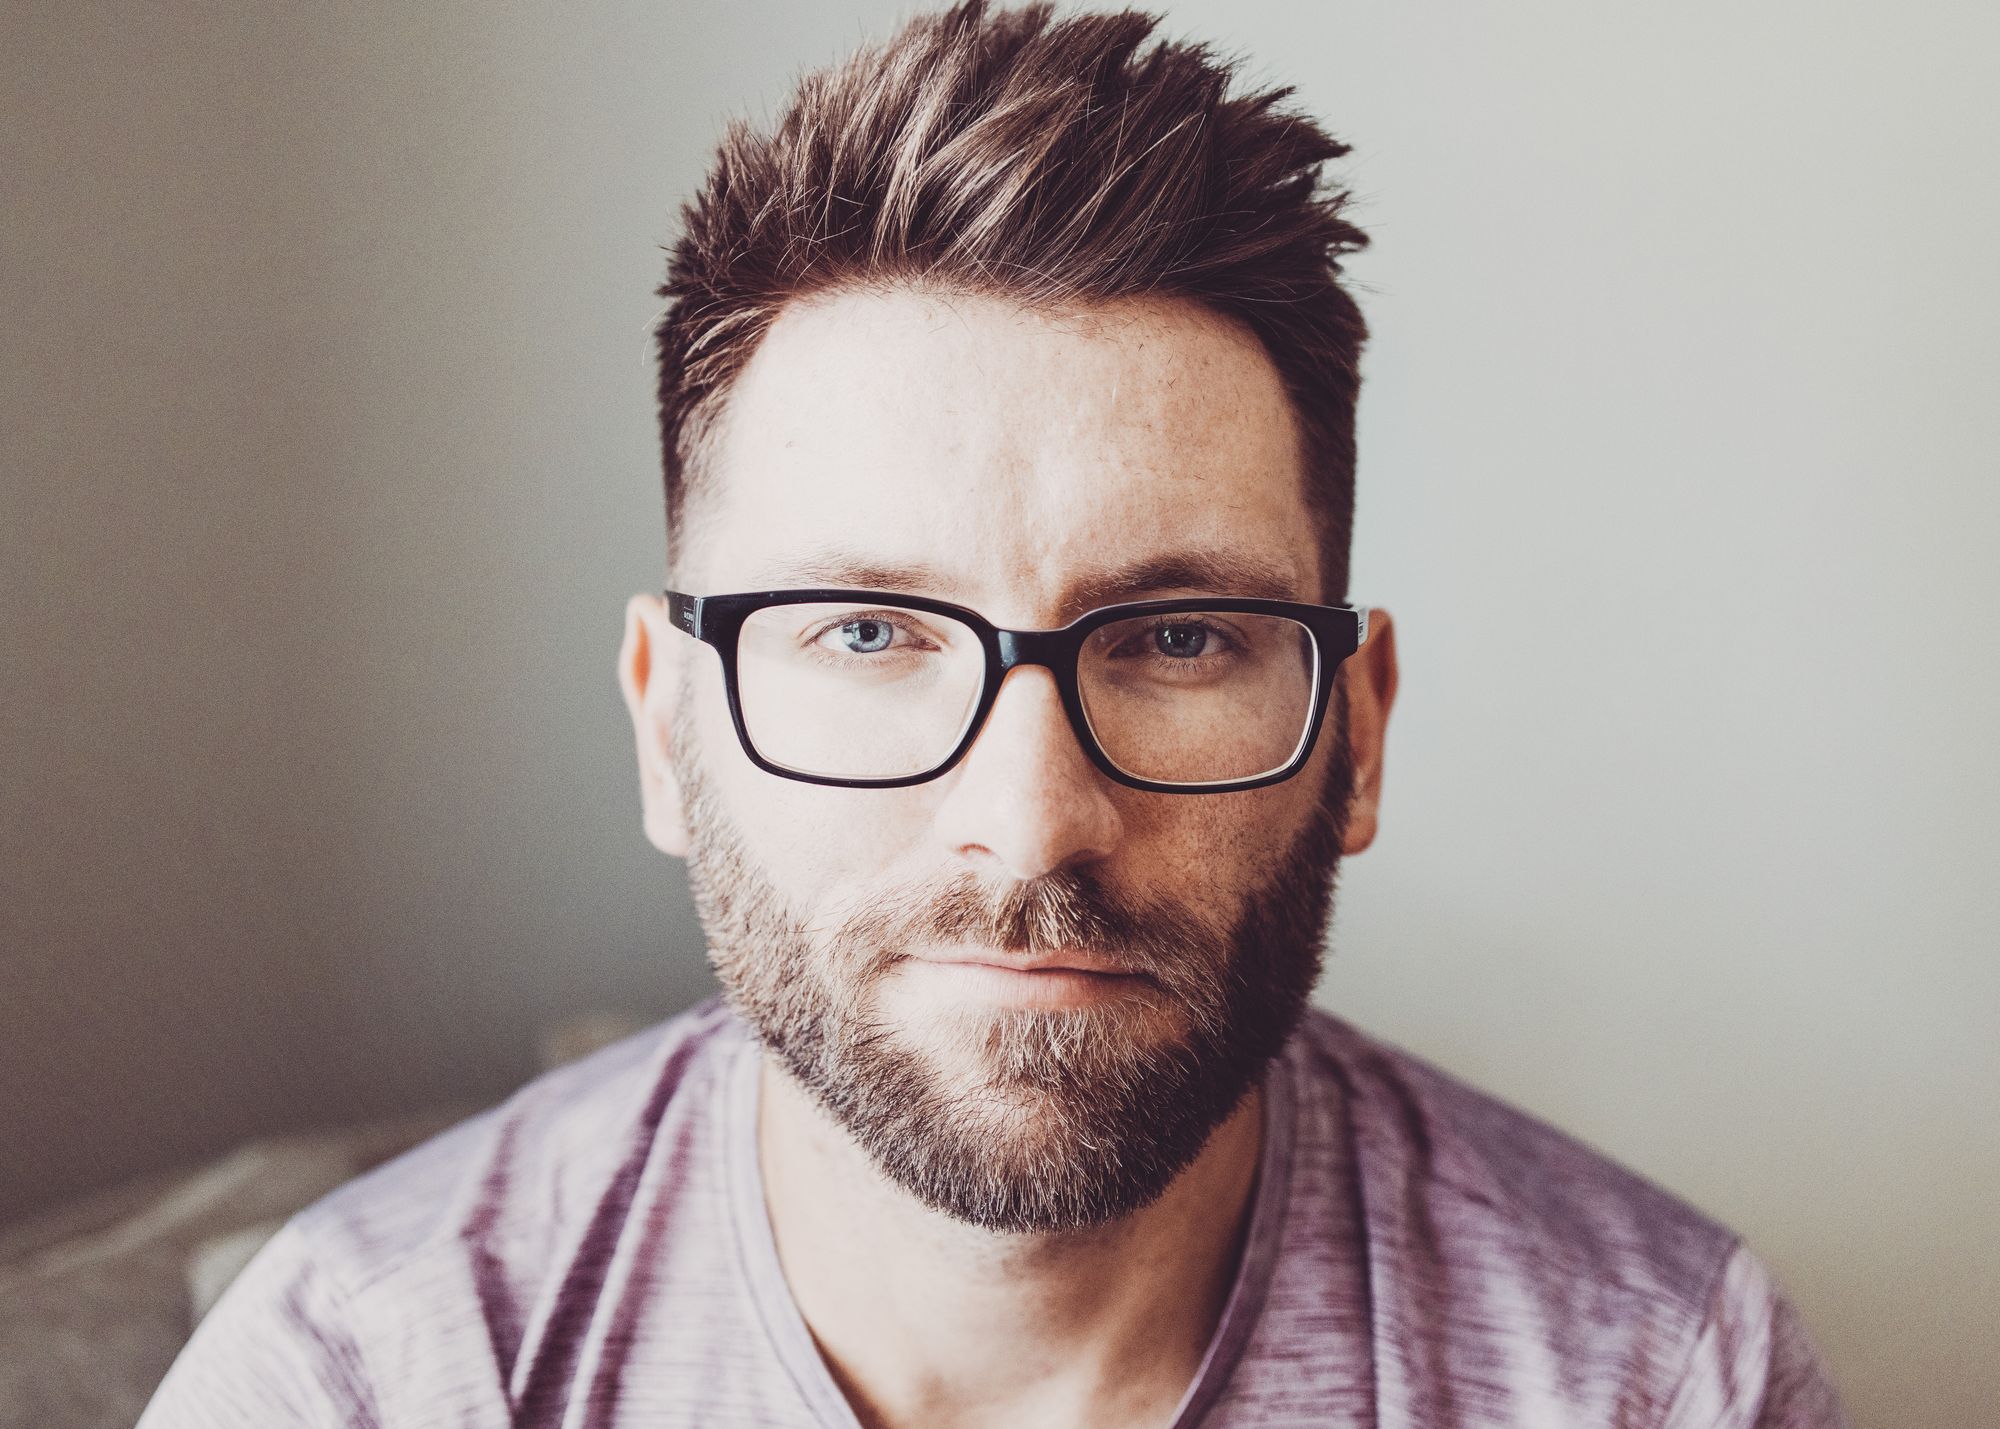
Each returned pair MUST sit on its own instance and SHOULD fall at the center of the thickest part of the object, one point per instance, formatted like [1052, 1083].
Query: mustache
[1068, 911]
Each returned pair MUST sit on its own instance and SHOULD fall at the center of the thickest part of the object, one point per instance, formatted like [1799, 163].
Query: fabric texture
[594, 1254]
[97, 1297]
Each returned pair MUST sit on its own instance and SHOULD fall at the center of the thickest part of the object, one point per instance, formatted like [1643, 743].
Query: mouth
[1049, 980]
[1061, 961]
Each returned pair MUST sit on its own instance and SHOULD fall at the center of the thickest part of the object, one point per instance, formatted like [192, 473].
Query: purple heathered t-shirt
[594, 1254]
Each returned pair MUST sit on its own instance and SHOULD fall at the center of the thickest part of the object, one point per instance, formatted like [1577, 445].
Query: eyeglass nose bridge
[1048, 648]
[1056, 652]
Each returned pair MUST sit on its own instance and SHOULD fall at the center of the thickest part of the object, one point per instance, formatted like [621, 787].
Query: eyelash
[1213, 629]
[895, 620]
[892, 619]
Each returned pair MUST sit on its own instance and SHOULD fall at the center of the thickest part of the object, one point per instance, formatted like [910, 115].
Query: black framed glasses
[880, 689]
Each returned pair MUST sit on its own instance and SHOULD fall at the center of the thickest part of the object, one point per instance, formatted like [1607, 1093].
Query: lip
[1022, 963]
[1050, 983]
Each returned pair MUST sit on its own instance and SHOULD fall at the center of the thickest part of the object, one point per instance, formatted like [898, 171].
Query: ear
[1369, 675]
[650, 670]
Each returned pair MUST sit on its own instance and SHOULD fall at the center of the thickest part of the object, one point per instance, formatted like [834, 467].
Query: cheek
[1214, 850]
[824, 848]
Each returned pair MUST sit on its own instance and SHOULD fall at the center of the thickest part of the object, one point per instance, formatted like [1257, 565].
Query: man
[1008, 709]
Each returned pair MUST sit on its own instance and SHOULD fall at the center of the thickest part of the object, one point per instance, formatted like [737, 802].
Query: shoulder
[518, 1176]
[277, 1349]
[1754, 1366]
[421, 1292]
[1513, 1266]
[1520, 1276]
[1497, 1182]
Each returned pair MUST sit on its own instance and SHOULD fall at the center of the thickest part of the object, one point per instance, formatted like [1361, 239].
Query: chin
[1024, 1055]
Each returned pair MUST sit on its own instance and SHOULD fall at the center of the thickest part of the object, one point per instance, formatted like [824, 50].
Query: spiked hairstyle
[1056, 162]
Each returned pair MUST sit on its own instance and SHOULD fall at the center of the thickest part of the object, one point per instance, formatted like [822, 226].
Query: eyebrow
[1217, 573]
[1205, 572]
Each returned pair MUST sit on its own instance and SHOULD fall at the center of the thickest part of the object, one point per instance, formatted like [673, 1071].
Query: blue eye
[1182, 640]
[866, 637]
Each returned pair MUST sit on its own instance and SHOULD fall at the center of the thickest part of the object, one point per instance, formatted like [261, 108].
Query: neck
[926, 1320]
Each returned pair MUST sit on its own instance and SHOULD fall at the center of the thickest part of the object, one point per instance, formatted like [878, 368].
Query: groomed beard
[1071, 1117]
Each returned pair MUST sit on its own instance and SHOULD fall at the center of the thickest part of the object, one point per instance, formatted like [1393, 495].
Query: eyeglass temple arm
[685, 611]
[1360, 626]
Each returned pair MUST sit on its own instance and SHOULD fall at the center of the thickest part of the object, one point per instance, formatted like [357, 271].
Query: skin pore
[1024, 464]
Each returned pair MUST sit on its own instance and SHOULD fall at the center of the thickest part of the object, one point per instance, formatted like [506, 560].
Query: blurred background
[329, 463]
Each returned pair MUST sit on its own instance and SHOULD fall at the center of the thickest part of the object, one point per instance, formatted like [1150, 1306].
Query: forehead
[1021, 461]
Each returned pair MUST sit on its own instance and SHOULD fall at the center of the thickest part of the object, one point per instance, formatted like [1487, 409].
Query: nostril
[1028, 796]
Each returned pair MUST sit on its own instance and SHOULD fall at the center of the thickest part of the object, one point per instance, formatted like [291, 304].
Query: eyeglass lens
[882, 692]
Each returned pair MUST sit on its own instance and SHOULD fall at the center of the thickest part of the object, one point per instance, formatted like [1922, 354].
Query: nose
[1026, 799]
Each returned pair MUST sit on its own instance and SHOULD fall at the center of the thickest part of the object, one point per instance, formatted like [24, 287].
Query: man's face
[1030, 466]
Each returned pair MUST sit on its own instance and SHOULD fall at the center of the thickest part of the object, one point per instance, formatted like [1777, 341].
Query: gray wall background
[328, 466]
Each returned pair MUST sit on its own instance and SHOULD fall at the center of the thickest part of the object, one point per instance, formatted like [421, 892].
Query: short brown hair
[1053, 162]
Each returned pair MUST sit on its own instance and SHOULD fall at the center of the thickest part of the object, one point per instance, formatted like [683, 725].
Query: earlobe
[1369, 677]
[649, 673]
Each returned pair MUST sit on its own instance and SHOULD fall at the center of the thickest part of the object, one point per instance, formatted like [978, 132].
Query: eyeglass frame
[718, 620]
